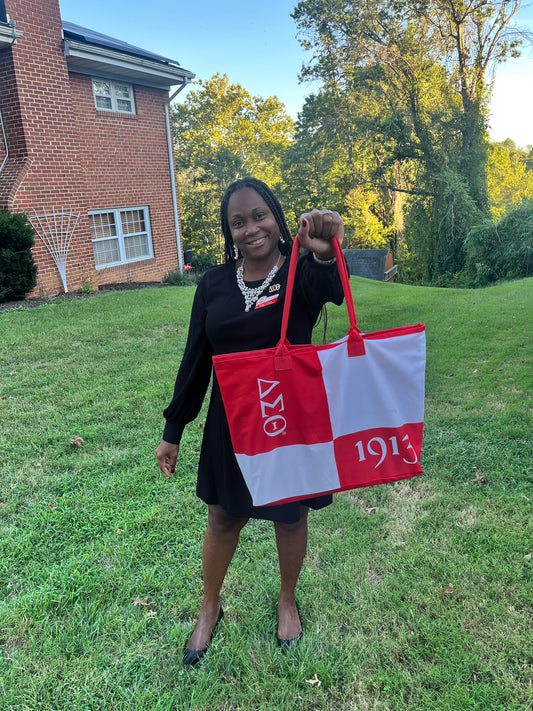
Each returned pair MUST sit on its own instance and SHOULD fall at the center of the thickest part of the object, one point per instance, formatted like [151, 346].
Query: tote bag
[307, 420]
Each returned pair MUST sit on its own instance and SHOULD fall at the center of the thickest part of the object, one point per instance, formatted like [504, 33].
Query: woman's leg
[291, 541]
[220, 541]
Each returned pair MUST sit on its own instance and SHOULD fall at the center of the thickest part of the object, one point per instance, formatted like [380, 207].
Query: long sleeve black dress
[219, 324]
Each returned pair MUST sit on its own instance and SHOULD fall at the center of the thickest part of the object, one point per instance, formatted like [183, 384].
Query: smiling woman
[255, 232]
[238, 306]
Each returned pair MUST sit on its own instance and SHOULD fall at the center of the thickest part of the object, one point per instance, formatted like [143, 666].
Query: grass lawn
[415, 596]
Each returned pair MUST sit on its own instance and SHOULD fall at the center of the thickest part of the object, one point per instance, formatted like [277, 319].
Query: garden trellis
[55, 230]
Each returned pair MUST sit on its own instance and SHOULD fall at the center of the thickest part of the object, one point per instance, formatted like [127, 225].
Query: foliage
[509, 177]
[395, 138]
[362, 228]
[201, 262]
[414, 596]
[199, 199]
[437, 228]
[87, 286]
[18, 271]
[315, 167]
[503, 250]
[333, 163]
[409, 81]
[175, 277]
[221, 133]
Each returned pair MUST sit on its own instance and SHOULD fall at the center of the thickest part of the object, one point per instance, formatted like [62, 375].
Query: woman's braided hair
[271, 200]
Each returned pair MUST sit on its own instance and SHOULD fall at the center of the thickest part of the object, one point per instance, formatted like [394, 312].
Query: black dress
[219, 324]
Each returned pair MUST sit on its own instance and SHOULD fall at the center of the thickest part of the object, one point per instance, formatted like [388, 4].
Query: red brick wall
[125, 163]
[16, 152]
[65, 154]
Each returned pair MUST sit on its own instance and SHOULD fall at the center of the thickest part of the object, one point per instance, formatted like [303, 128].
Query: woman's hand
[167, 455]
[317, 229]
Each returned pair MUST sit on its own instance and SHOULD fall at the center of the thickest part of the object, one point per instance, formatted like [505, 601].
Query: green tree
[503, 250]
[363, 229]
[316, 165]
[510, 180]
[340, 152]
[425, 66]
[221, 133]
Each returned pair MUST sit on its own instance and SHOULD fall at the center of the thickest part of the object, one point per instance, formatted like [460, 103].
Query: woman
[230, 314]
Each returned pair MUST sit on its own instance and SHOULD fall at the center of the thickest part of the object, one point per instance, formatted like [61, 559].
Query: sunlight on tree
[510, 181]
[221, 133]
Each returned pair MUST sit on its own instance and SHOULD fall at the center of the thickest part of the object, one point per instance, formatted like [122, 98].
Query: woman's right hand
[167, 455]
[317, 229]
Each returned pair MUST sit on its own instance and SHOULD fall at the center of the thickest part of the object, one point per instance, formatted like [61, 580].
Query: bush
[188, 278]
[503, 250]
[191, 275]
[201, 262]
[18, 271]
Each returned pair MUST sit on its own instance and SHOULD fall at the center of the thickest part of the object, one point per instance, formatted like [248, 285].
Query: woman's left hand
[317, 229]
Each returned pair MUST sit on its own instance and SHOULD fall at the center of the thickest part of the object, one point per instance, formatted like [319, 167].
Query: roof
[369, 263]
[90, 52]
[8, 34]
[83, 34]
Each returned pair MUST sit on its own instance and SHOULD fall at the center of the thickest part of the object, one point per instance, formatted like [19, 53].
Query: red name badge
[266, 301]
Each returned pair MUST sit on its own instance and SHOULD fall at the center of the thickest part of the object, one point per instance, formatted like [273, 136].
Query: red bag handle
[356, 345]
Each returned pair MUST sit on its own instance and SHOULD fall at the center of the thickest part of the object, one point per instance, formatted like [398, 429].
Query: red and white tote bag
[308, 420]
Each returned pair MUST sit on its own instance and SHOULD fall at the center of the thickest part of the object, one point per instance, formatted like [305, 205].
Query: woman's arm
[191, 384]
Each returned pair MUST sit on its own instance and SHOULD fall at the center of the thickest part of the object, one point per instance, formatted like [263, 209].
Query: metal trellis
[55, 230]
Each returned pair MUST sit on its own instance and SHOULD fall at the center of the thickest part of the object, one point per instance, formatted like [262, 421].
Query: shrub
[18, 271]
[191, 275]
[201, 262]
[503, 250]
[188, 278]
[87, 287]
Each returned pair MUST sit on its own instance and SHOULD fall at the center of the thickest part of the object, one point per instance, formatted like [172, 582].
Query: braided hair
[273, 204]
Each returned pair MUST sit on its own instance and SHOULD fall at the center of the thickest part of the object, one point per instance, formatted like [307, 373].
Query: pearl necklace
[251, 295]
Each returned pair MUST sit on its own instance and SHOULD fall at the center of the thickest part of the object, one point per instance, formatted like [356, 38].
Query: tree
[510, 180]
[315, 167]
[503, 250]
[426, 65]
[477, 36]
[363, 229]
[221, 133]
[340, 155]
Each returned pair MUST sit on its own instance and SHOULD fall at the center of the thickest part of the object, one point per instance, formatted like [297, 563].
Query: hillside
[415, 596]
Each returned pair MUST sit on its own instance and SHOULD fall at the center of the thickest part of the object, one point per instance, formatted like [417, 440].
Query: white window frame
[113, 96]
[120, 236]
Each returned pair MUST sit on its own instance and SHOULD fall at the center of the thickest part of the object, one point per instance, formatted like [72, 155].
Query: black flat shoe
[193, 656]
[286, 644]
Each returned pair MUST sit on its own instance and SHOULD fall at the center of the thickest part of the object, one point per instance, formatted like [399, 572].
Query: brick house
[85, 149]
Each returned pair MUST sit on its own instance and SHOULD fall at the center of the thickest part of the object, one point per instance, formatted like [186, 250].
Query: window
[113, 96]
[120, 236]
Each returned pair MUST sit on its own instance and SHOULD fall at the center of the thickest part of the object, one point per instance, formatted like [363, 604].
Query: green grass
[415, 596]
